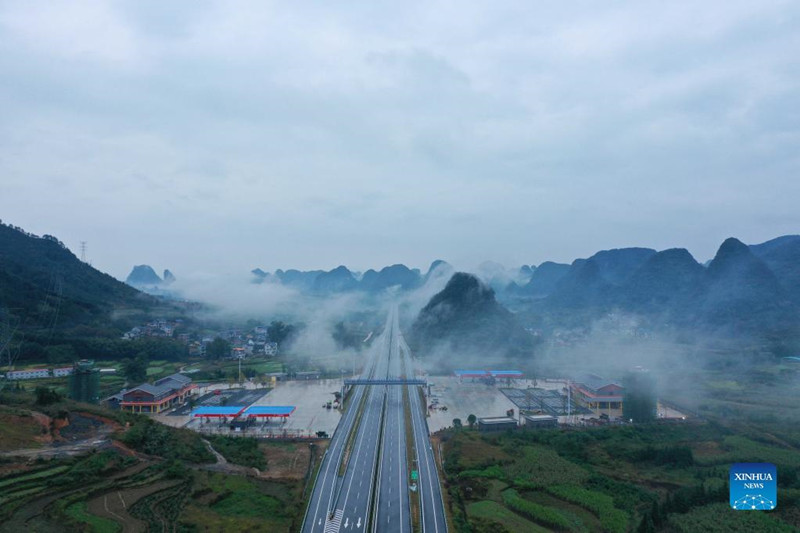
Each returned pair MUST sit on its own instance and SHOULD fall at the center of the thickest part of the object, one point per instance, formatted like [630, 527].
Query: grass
[739, 448]
[79, 513]
[496, 513]
[612, 520]
[614, 479]
[243, 451]
[18, 429]
[547, 516]
[719, 518]
[36, 475]
[236, 503]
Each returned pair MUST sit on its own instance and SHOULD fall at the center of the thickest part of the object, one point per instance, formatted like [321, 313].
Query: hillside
[464, 322]
[43, 284]
[782, 256]
[391, 276]
[745, 291]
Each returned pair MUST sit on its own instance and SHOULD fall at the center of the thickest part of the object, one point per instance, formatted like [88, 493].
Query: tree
[457, 423]
[60, 353]
[345, 338]
[218, 348]
[135, 370]
[46, 396]
[279, 331]
[639, 402]
[471, 419]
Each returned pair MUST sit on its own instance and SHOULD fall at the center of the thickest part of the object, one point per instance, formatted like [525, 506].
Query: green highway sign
[414, 475]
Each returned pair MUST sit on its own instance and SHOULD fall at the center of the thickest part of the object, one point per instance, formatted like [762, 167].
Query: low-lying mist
[235, 299]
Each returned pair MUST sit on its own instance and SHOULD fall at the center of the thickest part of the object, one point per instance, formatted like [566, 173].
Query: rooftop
[228, 410]
[269, 410]
[497, 420]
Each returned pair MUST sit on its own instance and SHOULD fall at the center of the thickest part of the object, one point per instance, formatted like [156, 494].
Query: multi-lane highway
[363, 482]
[391, 511]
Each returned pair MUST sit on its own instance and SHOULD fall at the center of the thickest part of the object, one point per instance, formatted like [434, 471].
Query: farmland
[140, 475]
[615, 479]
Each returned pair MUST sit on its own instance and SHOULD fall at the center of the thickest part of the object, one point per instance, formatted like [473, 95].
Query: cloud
[227, 135]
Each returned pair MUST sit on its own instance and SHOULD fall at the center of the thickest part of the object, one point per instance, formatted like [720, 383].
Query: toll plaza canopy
[470, 373]
[514, 374]
[506, 373]
[268, 411]
[218, 411]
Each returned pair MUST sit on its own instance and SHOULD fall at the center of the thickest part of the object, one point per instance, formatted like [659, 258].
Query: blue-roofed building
[218, 411]
[269, 411]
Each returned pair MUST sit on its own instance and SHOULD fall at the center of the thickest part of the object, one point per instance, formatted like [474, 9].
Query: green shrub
[538, 513]
[602, 505]
[239, 450]
[150, 437]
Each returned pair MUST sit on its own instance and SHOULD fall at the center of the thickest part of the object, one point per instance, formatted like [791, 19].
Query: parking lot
[308, 397]
[245, 397]
[465, 398]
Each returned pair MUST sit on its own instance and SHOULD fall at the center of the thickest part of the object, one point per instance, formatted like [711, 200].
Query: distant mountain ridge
[143, 275]
[744, 290]
[668, 284]
[341, 279]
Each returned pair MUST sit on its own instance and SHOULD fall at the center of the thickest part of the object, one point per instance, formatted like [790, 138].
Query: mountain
[782, 256]
[340, 279]
[298, 279]
[465, 321]
[582, 286]
[438, 268]
[544, 279]
[142, 276]
[737, 295]
[668, 281]
[259, 276]
[615, 266]
[391, 276]
[169, 277]
[742, 292]
[44, 285]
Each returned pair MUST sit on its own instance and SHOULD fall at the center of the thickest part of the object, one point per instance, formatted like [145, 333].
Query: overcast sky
[221, 136]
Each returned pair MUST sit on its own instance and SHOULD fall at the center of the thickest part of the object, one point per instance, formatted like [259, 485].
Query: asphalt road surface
[370, 440]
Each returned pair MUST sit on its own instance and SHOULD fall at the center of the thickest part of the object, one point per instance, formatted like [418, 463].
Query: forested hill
[43, 284]
[464, 323]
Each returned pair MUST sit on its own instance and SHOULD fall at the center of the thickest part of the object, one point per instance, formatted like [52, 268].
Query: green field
[658, 477]
[167, 488]
[494, 512]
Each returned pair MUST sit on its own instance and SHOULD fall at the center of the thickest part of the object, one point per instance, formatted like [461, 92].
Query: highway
[430, 489]
[369, 448]
[392, 510]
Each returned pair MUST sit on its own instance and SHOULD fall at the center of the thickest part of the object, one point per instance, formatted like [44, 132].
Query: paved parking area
[242, 396]
[463, 399]
[308, 397]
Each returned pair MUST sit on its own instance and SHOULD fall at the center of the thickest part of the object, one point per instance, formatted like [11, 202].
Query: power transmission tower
[83, 251]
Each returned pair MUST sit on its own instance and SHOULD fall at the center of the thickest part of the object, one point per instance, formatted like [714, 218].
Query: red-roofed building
[600, 395]
[161, 395]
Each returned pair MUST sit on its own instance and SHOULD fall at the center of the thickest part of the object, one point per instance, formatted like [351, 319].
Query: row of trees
[471, 420]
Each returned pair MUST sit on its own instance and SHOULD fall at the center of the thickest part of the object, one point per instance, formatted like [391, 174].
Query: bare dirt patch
[289, 460]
